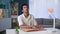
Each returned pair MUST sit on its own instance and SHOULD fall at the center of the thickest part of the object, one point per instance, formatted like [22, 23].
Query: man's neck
[26, 15]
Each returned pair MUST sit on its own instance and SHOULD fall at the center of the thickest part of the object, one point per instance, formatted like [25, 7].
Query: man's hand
[25, 27]
[38, 27]
[31, 28]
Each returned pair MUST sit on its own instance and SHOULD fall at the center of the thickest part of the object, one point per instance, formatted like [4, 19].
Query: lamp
[50, 10]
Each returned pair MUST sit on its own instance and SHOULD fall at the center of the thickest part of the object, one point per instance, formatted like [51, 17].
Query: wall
[6, 22]
[7, 5]
[39, 8]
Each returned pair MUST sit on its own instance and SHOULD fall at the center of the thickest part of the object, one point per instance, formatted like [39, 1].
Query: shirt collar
[26, 18]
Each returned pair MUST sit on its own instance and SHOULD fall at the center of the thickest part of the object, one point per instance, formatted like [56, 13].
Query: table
[46, 31]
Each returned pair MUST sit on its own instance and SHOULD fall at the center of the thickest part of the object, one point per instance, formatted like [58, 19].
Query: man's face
[25, 9]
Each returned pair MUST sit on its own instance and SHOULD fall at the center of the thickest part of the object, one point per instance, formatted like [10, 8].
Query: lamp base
[54, 31]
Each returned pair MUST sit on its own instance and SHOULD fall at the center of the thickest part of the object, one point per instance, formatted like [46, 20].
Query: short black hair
[24, 5]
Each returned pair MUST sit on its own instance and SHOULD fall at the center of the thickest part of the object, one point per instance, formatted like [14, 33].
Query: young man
[26, 20]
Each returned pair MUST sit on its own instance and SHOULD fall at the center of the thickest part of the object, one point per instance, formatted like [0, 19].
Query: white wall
[39, 8]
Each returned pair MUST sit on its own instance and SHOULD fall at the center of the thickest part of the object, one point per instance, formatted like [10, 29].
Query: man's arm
[21, 25]
[20, 22]
[25, 27]
[34, 21]
[36, 26]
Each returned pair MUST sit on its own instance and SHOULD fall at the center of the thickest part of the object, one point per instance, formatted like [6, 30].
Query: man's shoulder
[20, 16]
[31, 15]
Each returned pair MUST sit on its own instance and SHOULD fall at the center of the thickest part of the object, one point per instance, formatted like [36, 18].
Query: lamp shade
[50, 10]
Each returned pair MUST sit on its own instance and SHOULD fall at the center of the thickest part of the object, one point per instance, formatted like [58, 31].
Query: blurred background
[11, 9]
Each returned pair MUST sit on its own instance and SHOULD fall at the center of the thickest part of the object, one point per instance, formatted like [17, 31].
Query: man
[26, 20]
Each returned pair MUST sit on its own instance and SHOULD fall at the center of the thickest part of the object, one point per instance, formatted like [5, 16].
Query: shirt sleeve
[35, 22]
[19, 21]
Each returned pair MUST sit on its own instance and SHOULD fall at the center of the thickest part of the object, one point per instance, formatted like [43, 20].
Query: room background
[38, 8]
